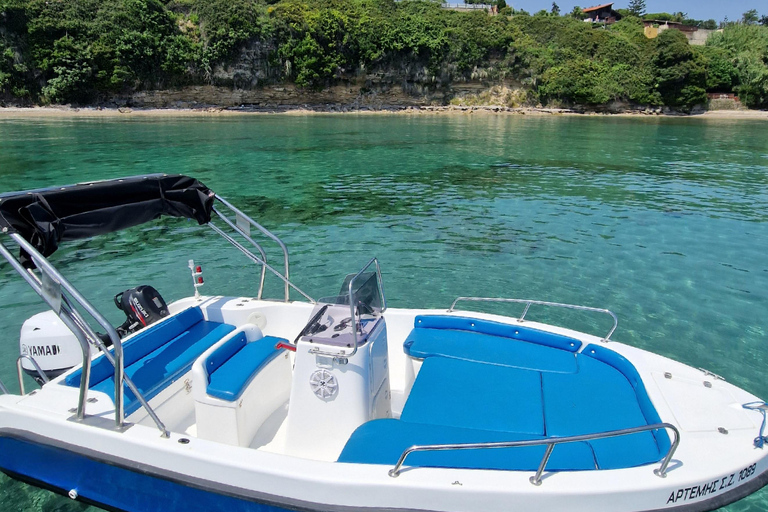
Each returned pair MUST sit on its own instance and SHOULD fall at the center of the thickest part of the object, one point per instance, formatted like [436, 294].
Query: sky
[696, 9]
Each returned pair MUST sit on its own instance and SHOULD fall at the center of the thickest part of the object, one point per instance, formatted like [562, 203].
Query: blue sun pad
[534, 390]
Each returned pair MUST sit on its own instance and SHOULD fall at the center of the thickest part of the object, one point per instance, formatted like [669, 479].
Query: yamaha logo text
[40, 350]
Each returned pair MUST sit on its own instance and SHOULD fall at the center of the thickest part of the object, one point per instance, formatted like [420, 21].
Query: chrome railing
[661, 471]
[20, 373]
[51, 284]
[237, 245]
[50, 287]
[246, 252]
[243, 225]
[3, 389]
[528, 303]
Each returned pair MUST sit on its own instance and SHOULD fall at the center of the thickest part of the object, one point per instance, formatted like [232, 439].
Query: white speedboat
[341, 404]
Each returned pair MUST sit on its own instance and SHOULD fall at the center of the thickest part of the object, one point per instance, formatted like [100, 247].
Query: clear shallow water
[662, 221]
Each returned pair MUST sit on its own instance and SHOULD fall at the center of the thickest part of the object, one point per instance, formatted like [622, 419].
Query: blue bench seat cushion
[485, 348]
[466, 394]
[163, 366]
[229, 379]
[598, 398]
[383, 441]
[141, 344]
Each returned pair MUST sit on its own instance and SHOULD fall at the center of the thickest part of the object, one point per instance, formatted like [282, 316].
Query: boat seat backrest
[224, 353]
[235, 363]
[627, 369]
[492, 328]
[141, 344]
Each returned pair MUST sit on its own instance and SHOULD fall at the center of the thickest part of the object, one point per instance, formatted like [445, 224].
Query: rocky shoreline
[306, 109]
[473, 97]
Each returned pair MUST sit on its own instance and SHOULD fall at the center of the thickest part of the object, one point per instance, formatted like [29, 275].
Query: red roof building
[601, 14]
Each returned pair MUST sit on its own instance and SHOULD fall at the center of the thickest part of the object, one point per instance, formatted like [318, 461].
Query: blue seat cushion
[598, 398]
[231, 378]
[383, 441]
[141, 344]
[486, 348]
[458, 393]
[166, 364]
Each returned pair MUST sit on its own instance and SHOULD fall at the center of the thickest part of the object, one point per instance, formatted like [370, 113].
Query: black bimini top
[46, 217]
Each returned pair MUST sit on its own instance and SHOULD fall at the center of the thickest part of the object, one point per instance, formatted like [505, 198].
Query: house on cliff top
[696, 36]
[601, 14]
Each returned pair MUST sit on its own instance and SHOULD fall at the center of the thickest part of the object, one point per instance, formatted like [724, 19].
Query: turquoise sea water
[662, 221]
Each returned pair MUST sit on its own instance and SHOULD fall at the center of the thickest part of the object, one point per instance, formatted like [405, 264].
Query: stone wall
[278, 97]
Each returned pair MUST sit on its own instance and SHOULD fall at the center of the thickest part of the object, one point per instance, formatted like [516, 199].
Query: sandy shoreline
[95, 112]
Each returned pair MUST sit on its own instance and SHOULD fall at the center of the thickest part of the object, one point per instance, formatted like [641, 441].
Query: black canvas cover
[47, 217]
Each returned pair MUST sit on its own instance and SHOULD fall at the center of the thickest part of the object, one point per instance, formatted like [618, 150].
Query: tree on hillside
[750, 17]
[555, 9]
[680, 71]
[637, 7]
[764, 20]
[577, 13]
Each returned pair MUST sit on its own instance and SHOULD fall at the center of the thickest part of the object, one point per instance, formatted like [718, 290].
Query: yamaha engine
[142, 306]
[55, 349]
[51, 344]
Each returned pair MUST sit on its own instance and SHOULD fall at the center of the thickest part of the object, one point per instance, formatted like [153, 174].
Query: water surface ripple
[662, 221]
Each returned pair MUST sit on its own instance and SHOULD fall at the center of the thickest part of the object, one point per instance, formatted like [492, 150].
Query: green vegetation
[745, 48]
[84, 51]
[636, 7]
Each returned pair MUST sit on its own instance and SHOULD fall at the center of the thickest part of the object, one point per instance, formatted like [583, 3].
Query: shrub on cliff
[82, 48]
[746, 47]
[328, 39]
[680, 71]
[225, 26]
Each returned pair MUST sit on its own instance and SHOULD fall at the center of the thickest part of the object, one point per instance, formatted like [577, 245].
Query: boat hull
[118, 484]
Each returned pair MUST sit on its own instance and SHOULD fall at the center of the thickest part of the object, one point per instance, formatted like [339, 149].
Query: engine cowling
[142, 306]
[46, 339]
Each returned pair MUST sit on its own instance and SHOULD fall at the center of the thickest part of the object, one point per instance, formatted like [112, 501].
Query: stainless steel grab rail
[95, 339]
[241, 216]
[62, 310]
[51, 283]
[254, 243]
[69, 315]
[528, 303]
[551, 442]
[3, 389]
[20, 373]
[237, 245]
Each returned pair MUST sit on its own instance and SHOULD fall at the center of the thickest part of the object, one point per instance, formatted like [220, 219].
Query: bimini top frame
[38, 220]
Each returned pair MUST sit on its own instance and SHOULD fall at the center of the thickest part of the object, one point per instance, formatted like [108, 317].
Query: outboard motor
[46, 339]
[142, 306]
